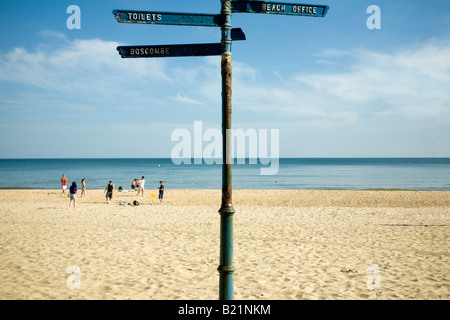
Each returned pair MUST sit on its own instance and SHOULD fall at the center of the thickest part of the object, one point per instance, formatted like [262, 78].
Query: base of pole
[226, 282]
[226, 267]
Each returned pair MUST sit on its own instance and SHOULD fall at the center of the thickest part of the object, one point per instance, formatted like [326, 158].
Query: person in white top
[141, 186]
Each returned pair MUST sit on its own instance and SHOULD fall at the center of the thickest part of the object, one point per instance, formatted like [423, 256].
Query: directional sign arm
[177, 50]
[294, 9]
[168, 18]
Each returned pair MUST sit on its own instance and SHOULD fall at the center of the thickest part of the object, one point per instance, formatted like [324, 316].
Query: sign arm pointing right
[292, 9]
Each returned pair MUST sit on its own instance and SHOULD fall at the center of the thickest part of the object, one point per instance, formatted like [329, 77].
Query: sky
[332, 86]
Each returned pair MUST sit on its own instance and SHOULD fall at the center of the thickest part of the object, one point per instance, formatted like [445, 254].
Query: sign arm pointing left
[178, 50]
[168, 18]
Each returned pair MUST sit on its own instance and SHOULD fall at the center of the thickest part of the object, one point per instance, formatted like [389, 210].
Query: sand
[288, 245]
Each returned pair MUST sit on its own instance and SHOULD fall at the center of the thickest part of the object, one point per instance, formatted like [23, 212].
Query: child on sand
[63, 183]
[83, 188]
[73, 194]
[109, 192]
[161, 192]
[136, 184]
[141, 186]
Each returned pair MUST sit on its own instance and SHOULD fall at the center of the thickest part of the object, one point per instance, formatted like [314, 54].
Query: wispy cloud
[52, 34]
[184, 99]
[81, 65]
[412, 82]
[333, 53]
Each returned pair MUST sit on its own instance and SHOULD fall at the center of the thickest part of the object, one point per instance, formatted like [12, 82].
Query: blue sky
[333, 87]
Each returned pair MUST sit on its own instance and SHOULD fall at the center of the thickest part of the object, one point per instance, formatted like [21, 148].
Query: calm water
[326, 173]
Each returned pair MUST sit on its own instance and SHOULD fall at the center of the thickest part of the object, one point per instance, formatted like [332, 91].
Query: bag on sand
[135, 203]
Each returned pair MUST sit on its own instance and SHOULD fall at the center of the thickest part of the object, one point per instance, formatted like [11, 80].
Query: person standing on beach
[136, 184]
[64, 183]
[161, 192]
[109, 192]
[73, 194]
[133, 185]
[83, 187]
[141, 186]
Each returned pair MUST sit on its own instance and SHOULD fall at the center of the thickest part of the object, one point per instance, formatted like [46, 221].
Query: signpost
[222, 20]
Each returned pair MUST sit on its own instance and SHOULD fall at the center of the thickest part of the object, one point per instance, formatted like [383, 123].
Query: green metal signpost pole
[226, 268]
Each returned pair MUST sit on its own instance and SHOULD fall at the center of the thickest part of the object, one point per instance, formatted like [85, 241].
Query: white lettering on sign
[149, 51]
[304, 9]
[273, 7]
[136, 16]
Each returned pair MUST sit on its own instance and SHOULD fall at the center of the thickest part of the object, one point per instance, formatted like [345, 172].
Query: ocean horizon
[293, 173]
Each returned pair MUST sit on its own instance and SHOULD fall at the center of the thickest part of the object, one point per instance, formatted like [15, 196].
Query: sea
[293, 173]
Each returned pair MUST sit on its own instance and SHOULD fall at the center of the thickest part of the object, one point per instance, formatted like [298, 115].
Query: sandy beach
[305, 244]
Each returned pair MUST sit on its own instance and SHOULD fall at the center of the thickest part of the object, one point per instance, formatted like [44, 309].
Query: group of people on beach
[73, 190]
[137, 184]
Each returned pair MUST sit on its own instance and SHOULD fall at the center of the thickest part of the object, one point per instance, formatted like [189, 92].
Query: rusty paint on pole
[226, 267]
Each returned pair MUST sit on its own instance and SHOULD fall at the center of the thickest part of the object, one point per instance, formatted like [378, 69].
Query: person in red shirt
[64, 183]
